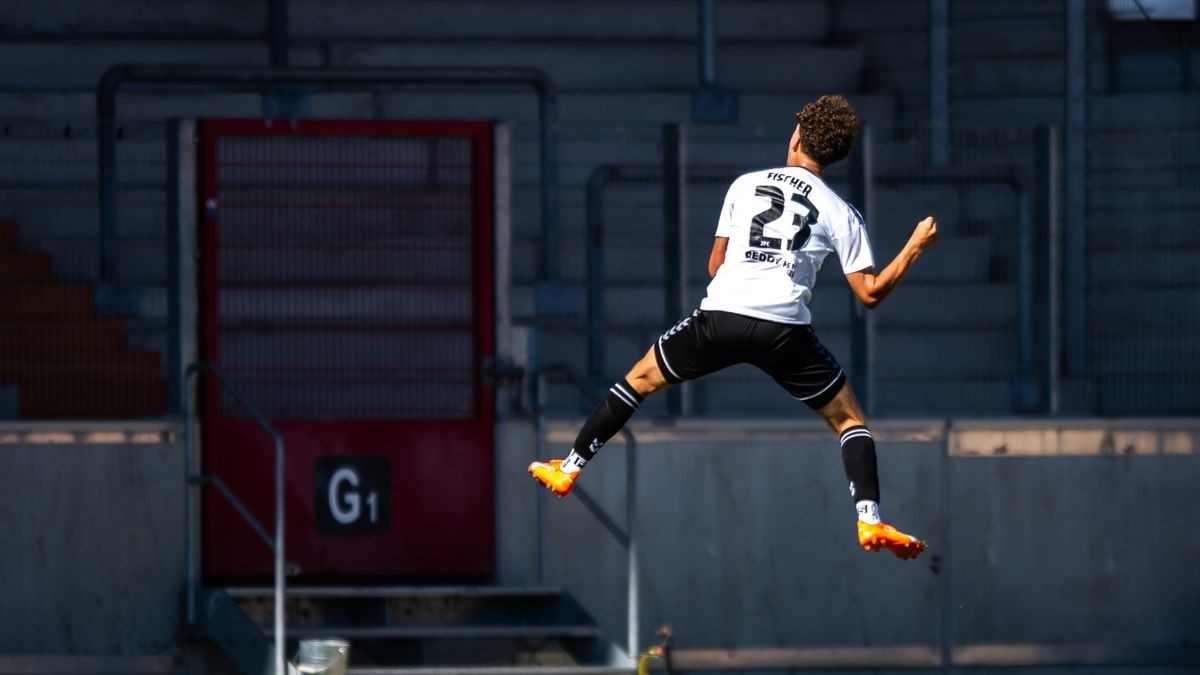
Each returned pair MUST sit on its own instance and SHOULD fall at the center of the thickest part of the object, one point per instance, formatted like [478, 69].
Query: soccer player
[774, 230]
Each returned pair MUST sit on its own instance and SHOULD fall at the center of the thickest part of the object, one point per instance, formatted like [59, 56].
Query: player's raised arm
[871, 288]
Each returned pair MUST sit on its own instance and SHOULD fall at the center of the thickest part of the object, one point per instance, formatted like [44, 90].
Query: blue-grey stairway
[414, 629]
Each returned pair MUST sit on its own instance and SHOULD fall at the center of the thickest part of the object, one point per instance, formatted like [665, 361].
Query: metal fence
[1142, 342]
[963, 337]
[61, 357]
[976, 329]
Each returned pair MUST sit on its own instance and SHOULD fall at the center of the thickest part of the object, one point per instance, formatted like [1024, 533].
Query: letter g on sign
[347, 509]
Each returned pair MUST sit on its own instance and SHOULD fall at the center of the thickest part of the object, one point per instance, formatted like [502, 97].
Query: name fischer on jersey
[800, 185]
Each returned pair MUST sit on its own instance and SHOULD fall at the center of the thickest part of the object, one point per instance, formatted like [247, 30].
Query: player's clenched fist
[926, 234]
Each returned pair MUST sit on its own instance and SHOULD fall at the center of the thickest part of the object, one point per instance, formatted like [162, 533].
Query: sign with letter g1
[351, 495]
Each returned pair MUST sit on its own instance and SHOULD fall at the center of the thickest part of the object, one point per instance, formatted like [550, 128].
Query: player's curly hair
[828, 128]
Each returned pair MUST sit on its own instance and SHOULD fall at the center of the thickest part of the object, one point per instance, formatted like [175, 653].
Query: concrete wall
[1040, 534]
[1046, 536]
[91, 526]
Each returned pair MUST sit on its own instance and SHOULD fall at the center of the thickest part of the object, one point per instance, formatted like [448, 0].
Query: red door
[346, 292]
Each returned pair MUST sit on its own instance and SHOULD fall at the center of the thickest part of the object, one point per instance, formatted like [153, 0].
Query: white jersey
[781, 223]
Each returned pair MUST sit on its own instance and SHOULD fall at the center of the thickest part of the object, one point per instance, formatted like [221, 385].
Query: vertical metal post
[708, 43]
[1028, 394]
[174, 371]
[861, 323]
[277, 18]
[630, 516]
[673, 282]
[1054, 342]
[945, 555]
[939, 82]
[106, 139]
[1075, 165]
[190, 531]
[1044, 270]
[280, 581]
[548, 145]
[594, 245]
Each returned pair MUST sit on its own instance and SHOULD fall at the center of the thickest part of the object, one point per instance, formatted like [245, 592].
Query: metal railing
[626, 539]
[276, 544]
[291, 76]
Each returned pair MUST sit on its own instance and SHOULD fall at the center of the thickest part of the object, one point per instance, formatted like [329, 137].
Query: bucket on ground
[326, 656]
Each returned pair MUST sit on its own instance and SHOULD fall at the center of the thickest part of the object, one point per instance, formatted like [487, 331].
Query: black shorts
[791, 354]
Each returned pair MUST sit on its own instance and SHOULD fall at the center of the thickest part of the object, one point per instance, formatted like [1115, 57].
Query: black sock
[858, 458]
[613, 411]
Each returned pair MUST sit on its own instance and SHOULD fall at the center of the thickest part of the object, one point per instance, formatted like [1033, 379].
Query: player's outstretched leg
[858, 460]
[613, 411]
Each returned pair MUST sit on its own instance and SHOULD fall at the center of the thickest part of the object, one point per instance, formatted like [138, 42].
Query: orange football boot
[555, 479]
[873, 537]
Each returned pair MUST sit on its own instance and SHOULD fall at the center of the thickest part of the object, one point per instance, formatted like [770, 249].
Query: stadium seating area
[946, 345]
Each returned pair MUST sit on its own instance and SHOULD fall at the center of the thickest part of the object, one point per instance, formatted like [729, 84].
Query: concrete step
[45, 301]
[496, 670]
[1164, 354]
[898, 49]
[418, 624]
[26, 266]
[1022, 75]
[89, 393]
[519, 107]
[1121, 199]
[37, 361]
[1006, 35]
[310, 20]
[103, 334]
[1168, 308]
[1154, 395]
[35, 160]
[1011, 9]
[1142, 149]
[8, 235]
[1162, 268]
[79, 65]
[1115, 231]
[875, 15]
[573, 66]
[141, 260]
[75, 664]
[71, 210]
[534, 19]
[1119, 111]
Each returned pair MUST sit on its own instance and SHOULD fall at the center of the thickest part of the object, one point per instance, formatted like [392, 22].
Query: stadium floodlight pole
[267, 77]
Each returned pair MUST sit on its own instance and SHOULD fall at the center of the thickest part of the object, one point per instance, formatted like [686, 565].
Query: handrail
[277, 545]
[295, 76]
[625, 539]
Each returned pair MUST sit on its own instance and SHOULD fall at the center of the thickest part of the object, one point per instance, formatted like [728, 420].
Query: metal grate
[346, 275]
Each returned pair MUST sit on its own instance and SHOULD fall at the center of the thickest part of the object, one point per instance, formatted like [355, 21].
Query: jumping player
[774, 230]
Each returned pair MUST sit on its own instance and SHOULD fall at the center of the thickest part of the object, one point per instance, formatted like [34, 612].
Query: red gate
[346, 291]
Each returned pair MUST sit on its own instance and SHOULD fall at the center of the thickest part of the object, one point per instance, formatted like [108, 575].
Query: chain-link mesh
[346, 275]
[1143, 253]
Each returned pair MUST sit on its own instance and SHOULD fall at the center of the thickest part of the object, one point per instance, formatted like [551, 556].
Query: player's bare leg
[846, 418]
[613, 411]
